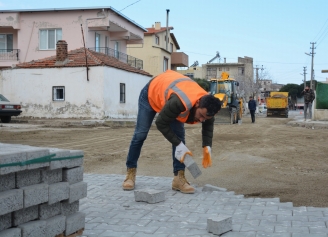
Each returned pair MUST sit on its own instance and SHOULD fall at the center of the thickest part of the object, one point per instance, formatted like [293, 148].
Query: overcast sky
[275, 33]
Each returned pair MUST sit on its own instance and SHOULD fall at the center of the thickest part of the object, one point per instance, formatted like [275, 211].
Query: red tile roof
[76, 58]
[152, 31]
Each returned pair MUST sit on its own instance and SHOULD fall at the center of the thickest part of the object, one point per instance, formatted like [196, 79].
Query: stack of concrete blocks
[40, 199]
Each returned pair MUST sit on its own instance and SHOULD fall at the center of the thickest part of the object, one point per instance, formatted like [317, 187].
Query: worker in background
[308, 99]
[177, 99]
[252, 108]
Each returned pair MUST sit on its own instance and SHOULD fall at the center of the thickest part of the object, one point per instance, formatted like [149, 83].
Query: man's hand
[207, 161]
[180, 152]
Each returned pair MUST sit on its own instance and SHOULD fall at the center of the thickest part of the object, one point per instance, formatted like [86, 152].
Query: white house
[71, 85]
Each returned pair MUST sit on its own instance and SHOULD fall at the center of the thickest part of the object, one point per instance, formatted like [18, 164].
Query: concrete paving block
[34, 228]
[58, 192]
[69, 208]
[211, 188]
[77, 191]
[59, 153]
[47, 211]
[192, 166]
[25, 215]
[5, 221]
[7, 182]
[67, 163]
[55, 225]
[73, 175]
[7, 157]
[11, 200]
[28, 177]
[51, 176]
[35, 194]
[74, 222]
[12, 232]
[219, 224]
[75, 162]
[36, 152]
[149, 195]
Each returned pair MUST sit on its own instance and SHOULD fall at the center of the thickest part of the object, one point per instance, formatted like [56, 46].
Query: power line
[129, 5]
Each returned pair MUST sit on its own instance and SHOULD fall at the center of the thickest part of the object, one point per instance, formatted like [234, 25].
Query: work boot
[181, 184]
[130, 179]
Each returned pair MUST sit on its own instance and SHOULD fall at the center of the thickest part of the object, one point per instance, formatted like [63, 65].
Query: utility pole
[304, 74]
[257, 82]
[312, 55]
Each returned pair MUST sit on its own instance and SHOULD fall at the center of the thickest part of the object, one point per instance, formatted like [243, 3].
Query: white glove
[180, 152]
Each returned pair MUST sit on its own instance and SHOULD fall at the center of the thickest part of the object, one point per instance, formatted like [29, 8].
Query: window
[122, 93]
[58, 93]
[6, 42]
[156, 40]
[97, 42]
[171, 47]
[49, 38]
[241, 71]
[227, 68]
[220, 69]
[116, 48]
[165, 64]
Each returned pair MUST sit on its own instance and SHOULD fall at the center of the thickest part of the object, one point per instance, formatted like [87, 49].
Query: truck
[225, 89]
[277, 104]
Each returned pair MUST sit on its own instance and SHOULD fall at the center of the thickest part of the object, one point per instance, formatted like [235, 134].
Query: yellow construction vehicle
[277, 104]
[225, 89]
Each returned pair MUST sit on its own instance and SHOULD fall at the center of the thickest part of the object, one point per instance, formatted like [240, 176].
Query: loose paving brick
[219, 224]
[149, 195]
[192, 166]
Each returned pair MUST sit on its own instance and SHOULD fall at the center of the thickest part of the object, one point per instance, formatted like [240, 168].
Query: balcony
[179, 59]
[9, 54]
[132, 61]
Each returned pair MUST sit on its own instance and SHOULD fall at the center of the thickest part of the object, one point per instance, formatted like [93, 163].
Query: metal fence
[9, 54]
[132, 61]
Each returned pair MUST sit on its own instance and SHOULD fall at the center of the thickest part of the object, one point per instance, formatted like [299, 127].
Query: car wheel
[6, 119]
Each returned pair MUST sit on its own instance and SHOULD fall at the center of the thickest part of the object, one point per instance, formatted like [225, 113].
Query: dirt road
[265, 159]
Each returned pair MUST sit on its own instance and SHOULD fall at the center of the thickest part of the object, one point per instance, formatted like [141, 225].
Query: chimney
[157, 25]
[61, 51]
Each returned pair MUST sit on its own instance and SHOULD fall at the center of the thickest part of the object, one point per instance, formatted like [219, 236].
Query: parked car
[8, 109]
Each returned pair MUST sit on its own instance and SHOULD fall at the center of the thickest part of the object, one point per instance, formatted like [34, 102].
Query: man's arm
[313, 95]
[169, 113]
[207, 132]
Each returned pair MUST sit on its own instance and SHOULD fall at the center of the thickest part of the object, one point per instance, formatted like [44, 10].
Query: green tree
[206, 85]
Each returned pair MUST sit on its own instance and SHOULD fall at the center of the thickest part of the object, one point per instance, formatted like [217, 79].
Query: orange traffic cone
[300, 111]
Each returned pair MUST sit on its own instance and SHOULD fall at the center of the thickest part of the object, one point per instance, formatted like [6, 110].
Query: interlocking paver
[110, 211]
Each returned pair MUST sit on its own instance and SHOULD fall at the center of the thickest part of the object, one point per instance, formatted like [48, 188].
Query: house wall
[96, 98]
[133, 85]
[151, 53]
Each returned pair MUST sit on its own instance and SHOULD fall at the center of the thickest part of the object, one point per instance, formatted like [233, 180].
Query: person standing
[177, 99]
[252, 108]
[308, 99]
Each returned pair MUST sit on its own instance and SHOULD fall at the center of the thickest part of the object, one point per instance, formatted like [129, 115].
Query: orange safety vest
[163, 85]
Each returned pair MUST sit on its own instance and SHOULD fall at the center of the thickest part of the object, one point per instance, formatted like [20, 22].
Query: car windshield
[2, 98]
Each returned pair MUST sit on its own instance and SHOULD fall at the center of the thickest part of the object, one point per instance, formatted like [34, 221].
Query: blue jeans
[144, 121]
[308, 106]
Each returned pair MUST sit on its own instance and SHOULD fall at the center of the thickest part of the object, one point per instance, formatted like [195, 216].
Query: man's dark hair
[211, 103]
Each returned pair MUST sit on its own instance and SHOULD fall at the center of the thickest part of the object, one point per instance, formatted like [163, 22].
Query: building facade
[27, 35]
[157, 53]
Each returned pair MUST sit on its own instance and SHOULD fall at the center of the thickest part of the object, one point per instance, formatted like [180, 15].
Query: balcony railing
[9, 54]
[132, 61]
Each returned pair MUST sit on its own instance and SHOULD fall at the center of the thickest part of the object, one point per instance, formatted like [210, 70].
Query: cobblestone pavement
[110, 211]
